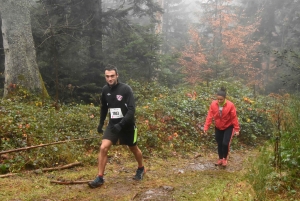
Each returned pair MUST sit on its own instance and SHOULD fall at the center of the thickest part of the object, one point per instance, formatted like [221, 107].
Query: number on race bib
[116, 113]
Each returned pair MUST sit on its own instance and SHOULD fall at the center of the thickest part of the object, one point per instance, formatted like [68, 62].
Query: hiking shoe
[96, 183]
[220, 161]
[139, 174]
[224, 162]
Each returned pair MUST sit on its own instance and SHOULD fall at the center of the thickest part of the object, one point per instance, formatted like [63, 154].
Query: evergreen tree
[176, 20]
[75, 40]
[2, 59]
[280, 32]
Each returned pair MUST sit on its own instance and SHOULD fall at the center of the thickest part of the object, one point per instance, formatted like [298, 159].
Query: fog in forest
[196, 141]
[168, 41]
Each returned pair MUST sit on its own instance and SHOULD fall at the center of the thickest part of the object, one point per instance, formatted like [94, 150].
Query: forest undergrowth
[179, 159]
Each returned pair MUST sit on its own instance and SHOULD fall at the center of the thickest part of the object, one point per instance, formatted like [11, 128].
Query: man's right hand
[99, 129]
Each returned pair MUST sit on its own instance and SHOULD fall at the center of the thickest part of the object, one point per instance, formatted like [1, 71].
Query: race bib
[115, 113]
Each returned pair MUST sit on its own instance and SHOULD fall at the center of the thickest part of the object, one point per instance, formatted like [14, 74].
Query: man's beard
[113, 84]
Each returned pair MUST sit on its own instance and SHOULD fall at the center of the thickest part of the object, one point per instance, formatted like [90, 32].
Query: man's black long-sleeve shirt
[118, 100]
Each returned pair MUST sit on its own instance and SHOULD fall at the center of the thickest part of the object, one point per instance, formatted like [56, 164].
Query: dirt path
[197, 165]
[165, 177]
[173, 178]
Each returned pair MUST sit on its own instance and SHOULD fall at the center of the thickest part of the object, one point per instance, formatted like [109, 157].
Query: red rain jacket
[227, 119]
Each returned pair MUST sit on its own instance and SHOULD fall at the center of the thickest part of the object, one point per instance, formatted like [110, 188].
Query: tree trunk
[20, 57]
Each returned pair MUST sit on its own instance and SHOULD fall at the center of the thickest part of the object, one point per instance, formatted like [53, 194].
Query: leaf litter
[166, 179]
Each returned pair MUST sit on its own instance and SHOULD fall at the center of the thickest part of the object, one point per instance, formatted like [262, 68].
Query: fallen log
[8, 175]
[44, 169]
[61, 167]
[197, 156]
[44, 145]
[70, 182]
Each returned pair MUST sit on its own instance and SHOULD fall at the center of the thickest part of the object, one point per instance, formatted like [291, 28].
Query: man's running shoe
[139, 174]
[224, 163]
[96, 183]
[220, 161]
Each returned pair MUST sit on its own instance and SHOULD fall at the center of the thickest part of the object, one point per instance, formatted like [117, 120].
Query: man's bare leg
[102, 159]
[102, 156]
[139, 158]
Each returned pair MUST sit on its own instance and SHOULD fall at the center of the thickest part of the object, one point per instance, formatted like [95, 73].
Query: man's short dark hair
[110, 67]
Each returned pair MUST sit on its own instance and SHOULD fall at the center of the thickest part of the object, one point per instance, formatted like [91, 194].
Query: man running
[117, 100]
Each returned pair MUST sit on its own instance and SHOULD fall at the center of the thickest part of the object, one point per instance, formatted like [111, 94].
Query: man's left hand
[237, 133]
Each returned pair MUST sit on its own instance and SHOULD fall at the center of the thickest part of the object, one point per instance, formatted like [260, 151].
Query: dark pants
[223, 138]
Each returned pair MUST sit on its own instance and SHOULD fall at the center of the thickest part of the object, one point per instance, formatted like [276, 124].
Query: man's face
[111, 77]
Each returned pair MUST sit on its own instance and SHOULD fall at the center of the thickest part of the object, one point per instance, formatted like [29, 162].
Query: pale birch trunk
[20, 57]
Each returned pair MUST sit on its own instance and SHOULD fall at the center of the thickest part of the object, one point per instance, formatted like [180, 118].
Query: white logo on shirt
[119, 97]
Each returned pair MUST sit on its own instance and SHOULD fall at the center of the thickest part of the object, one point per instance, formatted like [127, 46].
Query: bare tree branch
[44, 145]
[45, 169]
[70, 182]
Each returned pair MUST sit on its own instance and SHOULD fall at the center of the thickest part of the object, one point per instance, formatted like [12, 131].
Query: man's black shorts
[127, 136]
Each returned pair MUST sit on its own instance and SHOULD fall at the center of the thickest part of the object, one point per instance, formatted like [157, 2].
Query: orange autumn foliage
[192, 95]
[193, 60]
[224, 47]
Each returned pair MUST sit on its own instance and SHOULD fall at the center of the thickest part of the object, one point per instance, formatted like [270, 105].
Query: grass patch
[175, 172]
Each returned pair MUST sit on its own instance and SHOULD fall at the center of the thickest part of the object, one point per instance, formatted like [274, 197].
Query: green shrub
[260, 172]
[168, 119]
[277, 168]
[28, 123]
[171, 118]
[290, 143]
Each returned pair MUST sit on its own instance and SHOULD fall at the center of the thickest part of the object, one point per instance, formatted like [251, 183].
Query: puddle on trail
[162, 193]
[199, 164]
[235, 163]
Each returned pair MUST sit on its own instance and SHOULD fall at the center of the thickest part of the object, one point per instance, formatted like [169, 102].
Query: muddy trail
[193, 177]
[164, 171]
[178, 177]
[199, 164]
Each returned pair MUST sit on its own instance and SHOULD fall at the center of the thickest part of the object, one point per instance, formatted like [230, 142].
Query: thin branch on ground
[70, 182]
[45, 169]
[8, 175]
[44, 145]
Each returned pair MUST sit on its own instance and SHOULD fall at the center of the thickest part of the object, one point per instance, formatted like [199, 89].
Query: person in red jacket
[223, 112]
